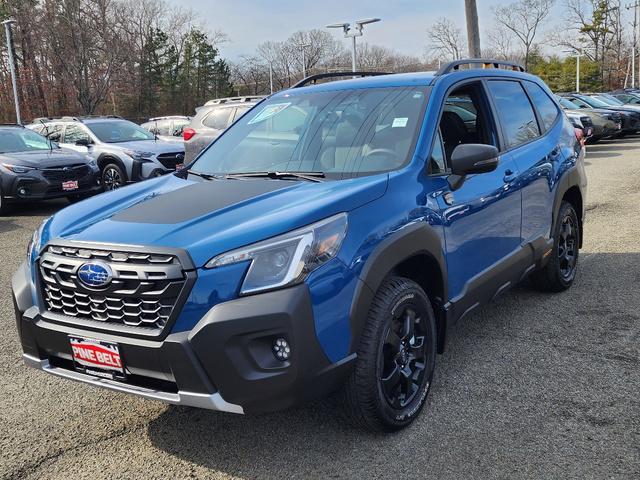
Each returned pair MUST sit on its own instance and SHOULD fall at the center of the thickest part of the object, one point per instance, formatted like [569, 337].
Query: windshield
[594, 102]
[566, 103]
[342, 133]
[23, 140]
[116, 131]
[609, 99]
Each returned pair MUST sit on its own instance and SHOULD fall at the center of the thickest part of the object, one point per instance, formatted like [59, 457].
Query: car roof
[428, 78]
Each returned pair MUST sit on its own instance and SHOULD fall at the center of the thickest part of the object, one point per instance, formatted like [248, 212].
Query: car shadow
[313, 441]
[29, 209]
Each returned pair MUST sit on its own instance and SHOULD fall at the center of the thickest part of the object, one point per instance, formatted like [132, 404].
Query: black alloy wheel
[112, 177]
[403, 356]
[568, 247]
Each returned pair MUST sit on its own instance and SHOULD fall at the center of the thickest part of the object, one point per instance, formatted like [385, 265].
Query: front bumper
[35, 186]
[224, 363]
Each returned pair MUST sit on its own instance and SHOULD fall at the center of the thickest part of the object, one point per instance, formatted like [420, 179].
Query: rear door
[538, 157]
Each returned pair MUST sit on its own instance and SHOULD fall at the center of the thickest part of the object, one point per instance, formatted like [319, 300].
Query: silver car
[211, 120]
[124, 151]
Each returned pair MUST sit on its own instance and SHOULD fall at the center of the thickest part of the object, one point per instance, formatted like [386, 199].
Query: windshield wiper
[206, 176]
[309, 176]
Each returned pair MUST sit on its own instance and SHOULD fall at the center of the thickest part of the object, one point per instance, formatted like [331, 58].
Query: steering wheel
[387, 151]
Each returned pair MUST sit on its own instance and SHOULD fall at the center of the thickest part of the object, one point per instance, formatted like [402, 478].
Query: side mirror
[469, 158]
[83, 142]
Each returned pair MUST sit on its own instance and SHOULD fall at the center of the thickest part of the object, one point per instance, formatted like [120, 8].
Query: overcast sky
[403, 27]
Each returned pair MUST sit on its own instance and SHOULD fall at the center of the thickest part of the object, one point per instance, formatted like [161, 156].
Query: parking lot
[532, 386]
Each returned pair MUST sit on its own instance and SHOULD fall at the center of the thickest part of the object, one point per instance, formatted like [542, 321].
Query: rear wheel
[396, 359]
[112, 177]
[560, 271]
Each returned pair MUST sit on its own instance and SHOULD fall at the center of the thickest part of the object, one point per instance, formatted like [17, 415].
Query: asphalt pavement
[533, 386]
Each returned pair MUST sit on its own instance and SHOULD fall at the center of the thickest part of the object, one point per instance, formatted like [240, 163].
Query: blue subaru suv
[329, 241]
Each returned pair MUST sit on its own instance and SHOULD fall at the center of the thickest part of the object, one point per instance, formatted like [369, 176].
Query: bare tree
[446, 39]
[524, 19]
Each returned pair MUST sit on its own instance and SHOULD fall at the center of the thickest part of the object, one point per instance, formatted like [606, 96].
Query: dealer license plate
[96, 357]
[70, 185]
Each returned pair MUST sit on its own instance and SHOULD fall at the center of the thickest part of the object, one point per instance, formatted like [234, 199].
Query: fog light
[22, 191]
[281, 349]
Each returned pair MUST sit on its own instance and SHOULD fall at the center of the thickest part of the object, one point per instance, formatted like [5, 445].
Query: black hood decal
[195, 200]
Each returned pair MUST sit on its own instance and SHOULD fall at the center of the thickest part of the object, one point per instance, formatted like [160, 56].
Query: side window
[240, 111]
[52, 131]
[73, 133]
[515, 112]
[218, 118]
[437, 163]
[465, 119]
[546, 107]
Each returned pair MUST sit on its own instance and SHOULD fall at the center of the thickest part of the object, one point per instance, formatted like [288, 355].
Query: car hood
[44, 158]
[154, 146]
[207, 218]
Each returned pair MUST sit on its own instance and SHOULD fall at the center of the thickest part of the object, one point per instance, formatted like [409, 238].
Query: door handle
[509, 176]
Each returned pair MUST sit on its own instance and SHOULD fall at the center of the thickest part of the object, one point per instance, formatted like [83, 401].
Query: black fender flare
[105, 159]
[571, 178]
[412, 240]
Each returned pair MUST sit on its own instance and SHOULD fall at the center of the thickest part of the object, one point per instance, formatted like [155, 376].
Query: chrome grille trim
[144, 297]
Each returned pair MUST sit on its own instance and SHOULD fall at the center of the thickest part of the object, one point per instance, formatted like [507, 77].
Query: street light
[7, 26]
[576, 53]
[302, 48]
[353, 33]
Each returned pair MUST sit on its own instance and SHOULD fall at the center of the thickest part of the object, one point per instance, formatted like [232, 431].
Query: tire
[112, 177]
[560, 271]
[400, 330]
[4, 206]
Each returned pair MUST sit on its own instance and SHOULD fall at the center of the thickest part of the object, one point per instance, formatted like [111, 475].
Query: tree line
[134, 58]
[141, 58]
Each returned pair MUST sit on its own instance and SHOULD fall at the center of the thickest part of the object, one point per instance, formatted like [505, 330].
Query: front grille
[142, 294]
[170, 160]
[70, 172]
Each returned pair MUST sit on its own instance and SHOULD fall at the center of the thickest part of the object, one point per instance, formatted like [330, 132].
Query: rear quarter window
[546, 107]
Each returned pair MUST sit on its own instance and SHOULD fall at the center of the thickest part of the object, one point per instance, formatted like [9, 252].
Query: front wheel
[560, 271]
[396, 359]
[112, 177]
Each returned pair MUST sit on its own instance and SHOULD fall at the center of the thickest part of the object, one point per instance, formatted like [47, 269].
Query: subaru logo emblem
[66, 169]
[95, 274]
[179, 156]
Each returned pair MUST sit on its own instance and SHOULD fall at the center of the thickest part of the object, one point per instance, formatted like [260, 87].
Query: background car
[582, 122]
[628, 98]
[630, 116]
[605, 122]
[167, 128]
[211, 120]
[35, 168]
[124, 151]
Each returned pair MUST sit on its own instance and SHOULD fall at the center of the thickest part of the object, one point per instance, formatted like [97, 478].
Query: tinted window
[218, 118]
[515, 112]
[546, 107]
[73, 133]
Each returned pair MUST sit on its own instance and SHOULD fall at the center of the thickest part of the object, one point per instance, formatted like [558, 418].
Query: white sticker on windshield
[399, 122]
[268, 112]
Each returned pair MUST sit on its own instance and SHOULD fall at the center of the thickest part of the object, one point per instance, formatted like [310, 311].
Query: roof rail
[319, 76]
[485, 62]
[169, 117]
[41, 120]
[246, 98]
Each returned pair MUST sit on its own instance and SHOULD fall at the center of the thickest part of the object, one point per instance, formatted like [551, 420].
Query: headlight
[136, 155]
[287, 259]
[18, 168]
[34, 244]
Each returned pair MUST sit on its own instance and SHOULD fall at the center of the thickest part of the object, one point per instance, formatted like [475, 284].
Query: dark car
[630, 115]
[35, 168]
[211, 120]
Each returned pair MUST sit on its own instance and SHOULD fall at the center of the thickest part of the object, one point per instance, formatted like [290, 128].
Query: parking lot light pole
[7, 26]
[576, 54]
[352, 33]
[303, 48]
